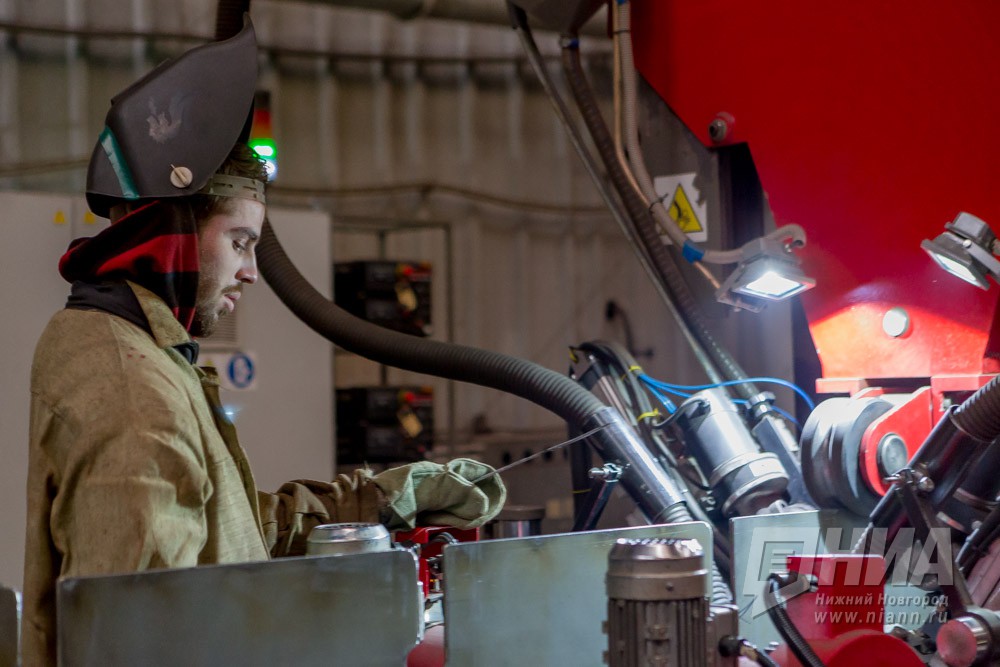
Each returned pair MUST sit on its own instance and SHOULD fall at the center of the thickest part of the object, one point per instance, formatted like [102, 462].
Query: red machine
[430, 542]
[842, 614]
[866, 125]
[864, 122]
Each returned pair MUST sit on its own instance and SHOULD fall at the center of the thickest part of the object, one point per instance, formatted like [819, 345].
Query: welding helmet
[168, 133]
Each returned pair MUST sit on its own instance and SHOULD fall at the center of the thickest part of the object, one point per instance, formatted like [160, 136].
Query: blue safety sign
[240, 371]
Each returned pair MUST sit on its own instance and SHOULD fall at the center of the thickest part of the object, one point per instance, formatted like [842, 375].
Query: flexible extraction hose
[545, 387]
[779, 616]
[542, 386]
[979, 415]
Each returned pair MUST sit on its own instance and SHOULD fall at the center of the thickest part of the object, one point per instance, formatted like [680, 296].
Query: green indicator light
[267, 151]
[264, 147]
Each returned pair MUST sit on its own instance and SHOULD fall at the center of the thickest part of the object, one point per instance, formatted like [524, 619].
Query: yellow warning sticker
[89, 218]
[682, 213]
[684, 203]
[60, 218]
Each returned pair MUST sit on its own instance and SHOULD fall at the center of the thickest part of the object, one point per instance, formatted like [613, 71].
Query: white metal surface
[30, 291]
[364, 610]
[537, 601]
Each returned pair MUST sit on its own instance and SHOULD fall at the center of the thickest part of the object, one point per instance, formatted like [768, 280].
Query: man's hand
[440, 494]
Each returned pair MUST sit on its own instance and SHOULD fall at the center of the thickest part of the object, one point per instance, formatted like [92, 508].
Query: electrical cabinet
[384, 424]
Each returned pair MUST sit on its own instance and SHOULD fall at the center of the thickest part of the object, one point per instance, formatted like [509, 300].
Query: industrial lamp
[965, 250]
[767, 271]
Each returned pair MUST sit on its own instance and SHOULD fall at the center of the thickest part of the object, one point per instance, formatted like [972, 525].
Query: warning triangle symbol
[682, 212]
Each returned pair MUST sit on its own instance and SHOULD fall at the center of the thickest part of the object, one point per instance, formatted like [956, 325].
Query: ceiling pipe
[491, 12]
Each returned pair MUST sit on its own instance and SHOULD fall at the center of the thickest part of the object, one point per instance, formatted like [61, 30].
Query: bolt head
[718, 130]
[891, 454]
[181, 177]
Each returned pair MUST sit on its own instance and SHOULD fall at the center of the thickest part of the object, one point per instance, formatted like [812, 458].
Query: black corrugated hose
[523, 378]
[979, 415]
[779, 616]
[645, 227]
[538, 384]
[643, 220]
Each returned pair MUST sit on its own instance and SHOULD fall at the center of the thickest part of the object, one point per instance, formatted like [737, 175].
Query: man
[133, 464]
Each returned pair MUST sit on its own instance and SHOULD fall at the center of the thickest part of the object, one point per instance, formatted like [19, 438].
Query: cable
[611, 369]
[729, 383]
[779, 616]
[620, 211]
[667, 389]
[758, 656]
[738, 646]
[787, 416]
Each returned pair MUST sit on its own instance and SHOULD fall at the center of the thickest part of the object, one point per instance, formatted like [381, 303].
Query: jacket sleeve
[299, 506]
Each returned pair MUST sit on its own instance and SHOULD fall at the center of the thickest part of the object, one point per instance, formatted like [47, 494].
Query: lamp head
[965, 250]
[767, 272]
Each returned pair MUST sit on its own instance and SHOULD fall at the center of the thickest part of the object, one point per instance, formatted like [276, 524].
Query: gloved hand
[440, 494]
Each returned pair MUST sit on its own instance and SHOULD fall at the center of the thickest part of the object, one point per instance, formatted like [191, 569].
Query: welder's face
[226, 243]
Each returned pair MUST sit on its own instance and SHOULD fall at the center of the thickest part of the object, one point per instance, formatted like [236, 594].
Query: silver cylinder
[347, 538]
[742, 477]
[644, 478]
[657, 610]
[516, 521]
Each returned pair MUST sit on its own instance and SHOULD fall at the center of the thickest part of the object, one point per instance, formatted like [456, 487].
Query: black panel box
[392, 294]
[384, 424]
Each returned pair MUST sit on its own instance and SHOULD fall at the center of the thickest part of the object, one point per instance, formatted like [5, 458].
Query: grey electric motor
[658, 613]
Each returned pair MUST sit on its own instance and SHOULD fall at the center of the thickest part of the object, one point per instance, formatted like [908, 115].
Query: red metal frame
[424, 539]
[911, 420]
[870, 125]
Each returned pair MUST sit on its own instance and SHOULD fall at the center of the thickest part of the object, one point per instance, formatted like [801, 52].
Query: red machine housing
[431, 541]
[869, 125]
[842, 618]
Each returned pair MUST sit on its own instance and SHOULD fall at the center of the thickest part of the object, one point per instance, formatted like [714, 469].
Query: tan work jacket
[133, 466]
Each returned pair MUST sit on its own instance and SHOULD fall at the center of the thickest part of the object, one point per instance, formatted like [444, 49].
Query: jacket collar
[166, 330]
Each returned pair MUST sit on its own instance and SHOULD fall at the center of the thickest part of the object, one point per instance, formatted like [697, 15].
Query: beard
[207, 310]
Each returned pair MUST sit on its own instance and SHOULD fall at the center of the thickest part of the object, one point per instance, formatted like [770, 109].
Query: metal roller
[831, 453]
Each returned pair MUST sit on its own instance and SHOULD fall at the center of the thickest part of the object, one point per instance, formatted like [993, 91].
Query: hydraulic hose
[721, 594]
[979, 415]
[779, 616]
[542, 386]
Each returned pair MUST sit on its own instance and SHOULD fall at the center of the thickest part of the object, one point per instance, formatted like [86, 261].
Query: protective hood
[167, 134]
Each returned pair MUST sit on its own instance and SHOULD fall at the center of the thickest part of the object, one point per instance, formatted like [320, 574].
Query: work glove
[438, 494]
